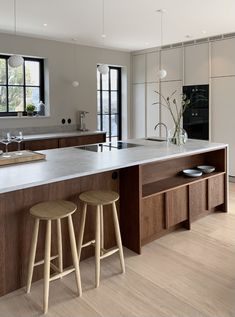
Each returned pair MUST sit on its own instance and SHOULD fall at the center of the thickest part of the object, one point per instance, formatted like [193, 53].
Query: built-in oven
[196, 116]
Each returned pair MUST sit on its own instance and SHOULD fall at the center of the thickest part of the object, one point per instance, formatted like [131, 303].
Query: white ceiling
[130, 24]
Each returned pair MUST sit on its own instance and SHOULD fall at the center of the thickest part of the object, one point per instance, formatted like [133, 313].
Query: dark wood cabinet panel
[216, 191]
[152, 216]
[82, 140]
[38, 145]
[67, 142]
[11, 147]
[176, 206]
[198, 199]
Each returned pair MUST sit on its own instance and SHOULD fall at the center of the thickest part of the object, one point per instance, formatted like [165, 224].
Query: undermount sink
[156, 139]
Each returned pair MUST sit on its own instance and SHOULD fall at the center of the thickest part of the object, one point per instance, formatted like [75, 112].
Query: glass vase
[178, 136]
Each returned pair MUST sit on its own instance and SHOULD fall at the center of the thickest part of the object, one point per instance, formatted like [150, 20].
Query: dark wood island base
[155, 199]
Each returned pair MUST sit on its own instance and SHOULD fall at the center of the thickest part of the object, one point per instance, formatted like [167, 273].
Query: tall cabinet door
[196, 64]
[172, 62]
[152, 110]
[223, 115]
[138, 111]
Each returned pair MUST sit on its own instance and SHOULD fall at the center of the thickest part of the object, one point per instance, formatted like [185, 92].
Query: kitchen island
[155, 198]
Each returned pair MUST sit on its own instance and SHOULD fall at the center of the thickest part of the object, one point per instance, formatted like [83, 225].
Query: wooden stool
[48, 211]
[100, 199]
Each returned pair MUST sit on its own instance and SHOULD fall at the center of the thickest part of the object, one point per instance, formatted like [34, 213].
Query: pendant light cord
[161, 29]
[103, 26]
[15, 16]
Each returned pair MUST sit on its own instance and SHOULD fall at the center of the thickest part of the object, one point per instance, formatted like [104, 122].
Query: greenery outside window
[20, 86]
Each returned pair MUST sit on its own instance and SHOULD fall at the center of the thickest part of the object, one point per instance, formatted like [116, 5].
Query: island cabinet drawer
[67, 142]
[37, 145]
[152, 216]
[198, 199]
[216, 192]
[177, 206]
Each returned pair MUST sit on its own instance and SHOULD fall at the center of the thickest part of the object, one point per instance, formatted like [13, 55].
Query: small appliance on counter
[81, 120]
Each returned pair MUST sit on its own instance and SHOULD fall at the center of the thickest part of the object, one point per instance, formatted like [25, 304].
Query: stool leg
[101, 228]
[74, 254]
[97, 248]
[47, 266]
[81, 231]
[59, 245]
[33, 248]
[118, 236]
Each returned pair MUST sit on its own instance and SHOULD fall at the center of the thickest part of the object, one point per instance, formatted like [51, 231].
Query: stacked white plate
[197, 172]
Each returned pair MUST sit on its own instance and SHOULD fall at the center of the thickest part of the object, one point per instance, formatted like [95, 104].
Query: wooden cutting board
[27, 156]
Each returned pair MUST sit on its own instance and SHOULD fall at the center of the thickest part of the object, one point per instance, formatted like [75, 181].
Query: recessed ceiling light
[203, 31]
[45, 24]
[188, 36]
[147, 43]
[103, 36]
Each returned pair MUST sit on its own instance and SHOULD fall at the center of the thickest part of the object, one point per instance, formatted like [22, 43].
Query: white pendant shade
[162, 73]
[75, 83]
[15, 61]
[103, 69]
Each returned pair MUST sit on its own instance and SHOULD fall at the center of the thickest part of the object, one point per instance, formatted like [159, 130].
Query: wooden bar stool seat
[49, 211]
[99, 199]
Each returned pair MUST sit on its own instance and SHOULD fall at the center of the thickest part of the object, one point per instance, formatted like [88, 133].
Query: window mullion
[24, 86]
[7, 90]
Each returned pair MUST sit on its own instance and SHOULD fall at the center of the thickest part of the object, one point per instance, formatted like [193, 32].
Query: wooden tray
[27, 156]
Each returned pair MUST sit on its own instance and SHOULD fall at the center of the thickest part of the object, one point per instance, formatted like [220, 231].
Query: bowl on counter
[207, 169]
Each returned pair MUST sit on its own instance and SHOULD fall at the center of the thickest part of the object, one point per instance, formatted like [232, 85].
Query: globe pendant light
[15, 60]
[162, 72]
[103, 68]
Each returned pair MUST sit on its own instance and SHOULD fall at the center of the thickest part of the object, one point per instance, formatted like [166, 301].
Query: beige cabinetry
[152, 67]
[152, 110]
[138, 111]
[196, 64]
[138, 69]
[223, 114]
[223, 58]
[172, 62]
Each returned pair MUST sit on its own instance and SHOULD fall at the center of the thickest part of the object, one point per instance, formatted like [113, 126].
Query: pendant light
[104, 68]
[162, 72]
[15, 60]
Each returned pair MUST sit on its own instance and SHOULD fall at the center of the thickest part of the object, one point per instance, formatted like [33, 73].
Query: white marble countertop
[67, 163]
[57, 135]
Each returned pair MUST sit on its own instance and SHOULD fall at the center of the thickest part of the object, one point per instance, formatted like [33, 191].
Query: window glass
[16, 98]
[3, 71]
[32, 76]
[32, 96]
[3, 99]
[109, 103]
[15, 75]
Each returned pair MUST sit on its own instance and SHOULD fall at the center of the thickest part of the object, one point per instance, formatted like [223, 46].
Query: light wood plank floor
[184, 274]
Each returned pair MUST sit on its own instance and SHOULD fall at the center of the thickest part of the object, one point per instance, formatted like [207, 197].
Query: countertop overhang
[67, 163]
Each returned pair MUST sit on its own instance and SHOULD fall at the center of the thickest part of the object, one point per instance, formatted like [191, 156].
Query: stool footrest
[55, 268]
[92, 242]
[108, 252]
[42, 261]
[64, 273]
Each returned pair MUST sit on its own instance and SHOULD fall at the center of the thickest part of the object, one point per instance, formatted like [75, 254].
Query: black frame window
[109, 103]
[20, 86]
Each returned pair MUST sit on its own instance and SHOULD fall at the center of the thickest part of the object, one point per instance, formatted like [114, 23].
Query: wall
[210, 62]
[64, 64]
